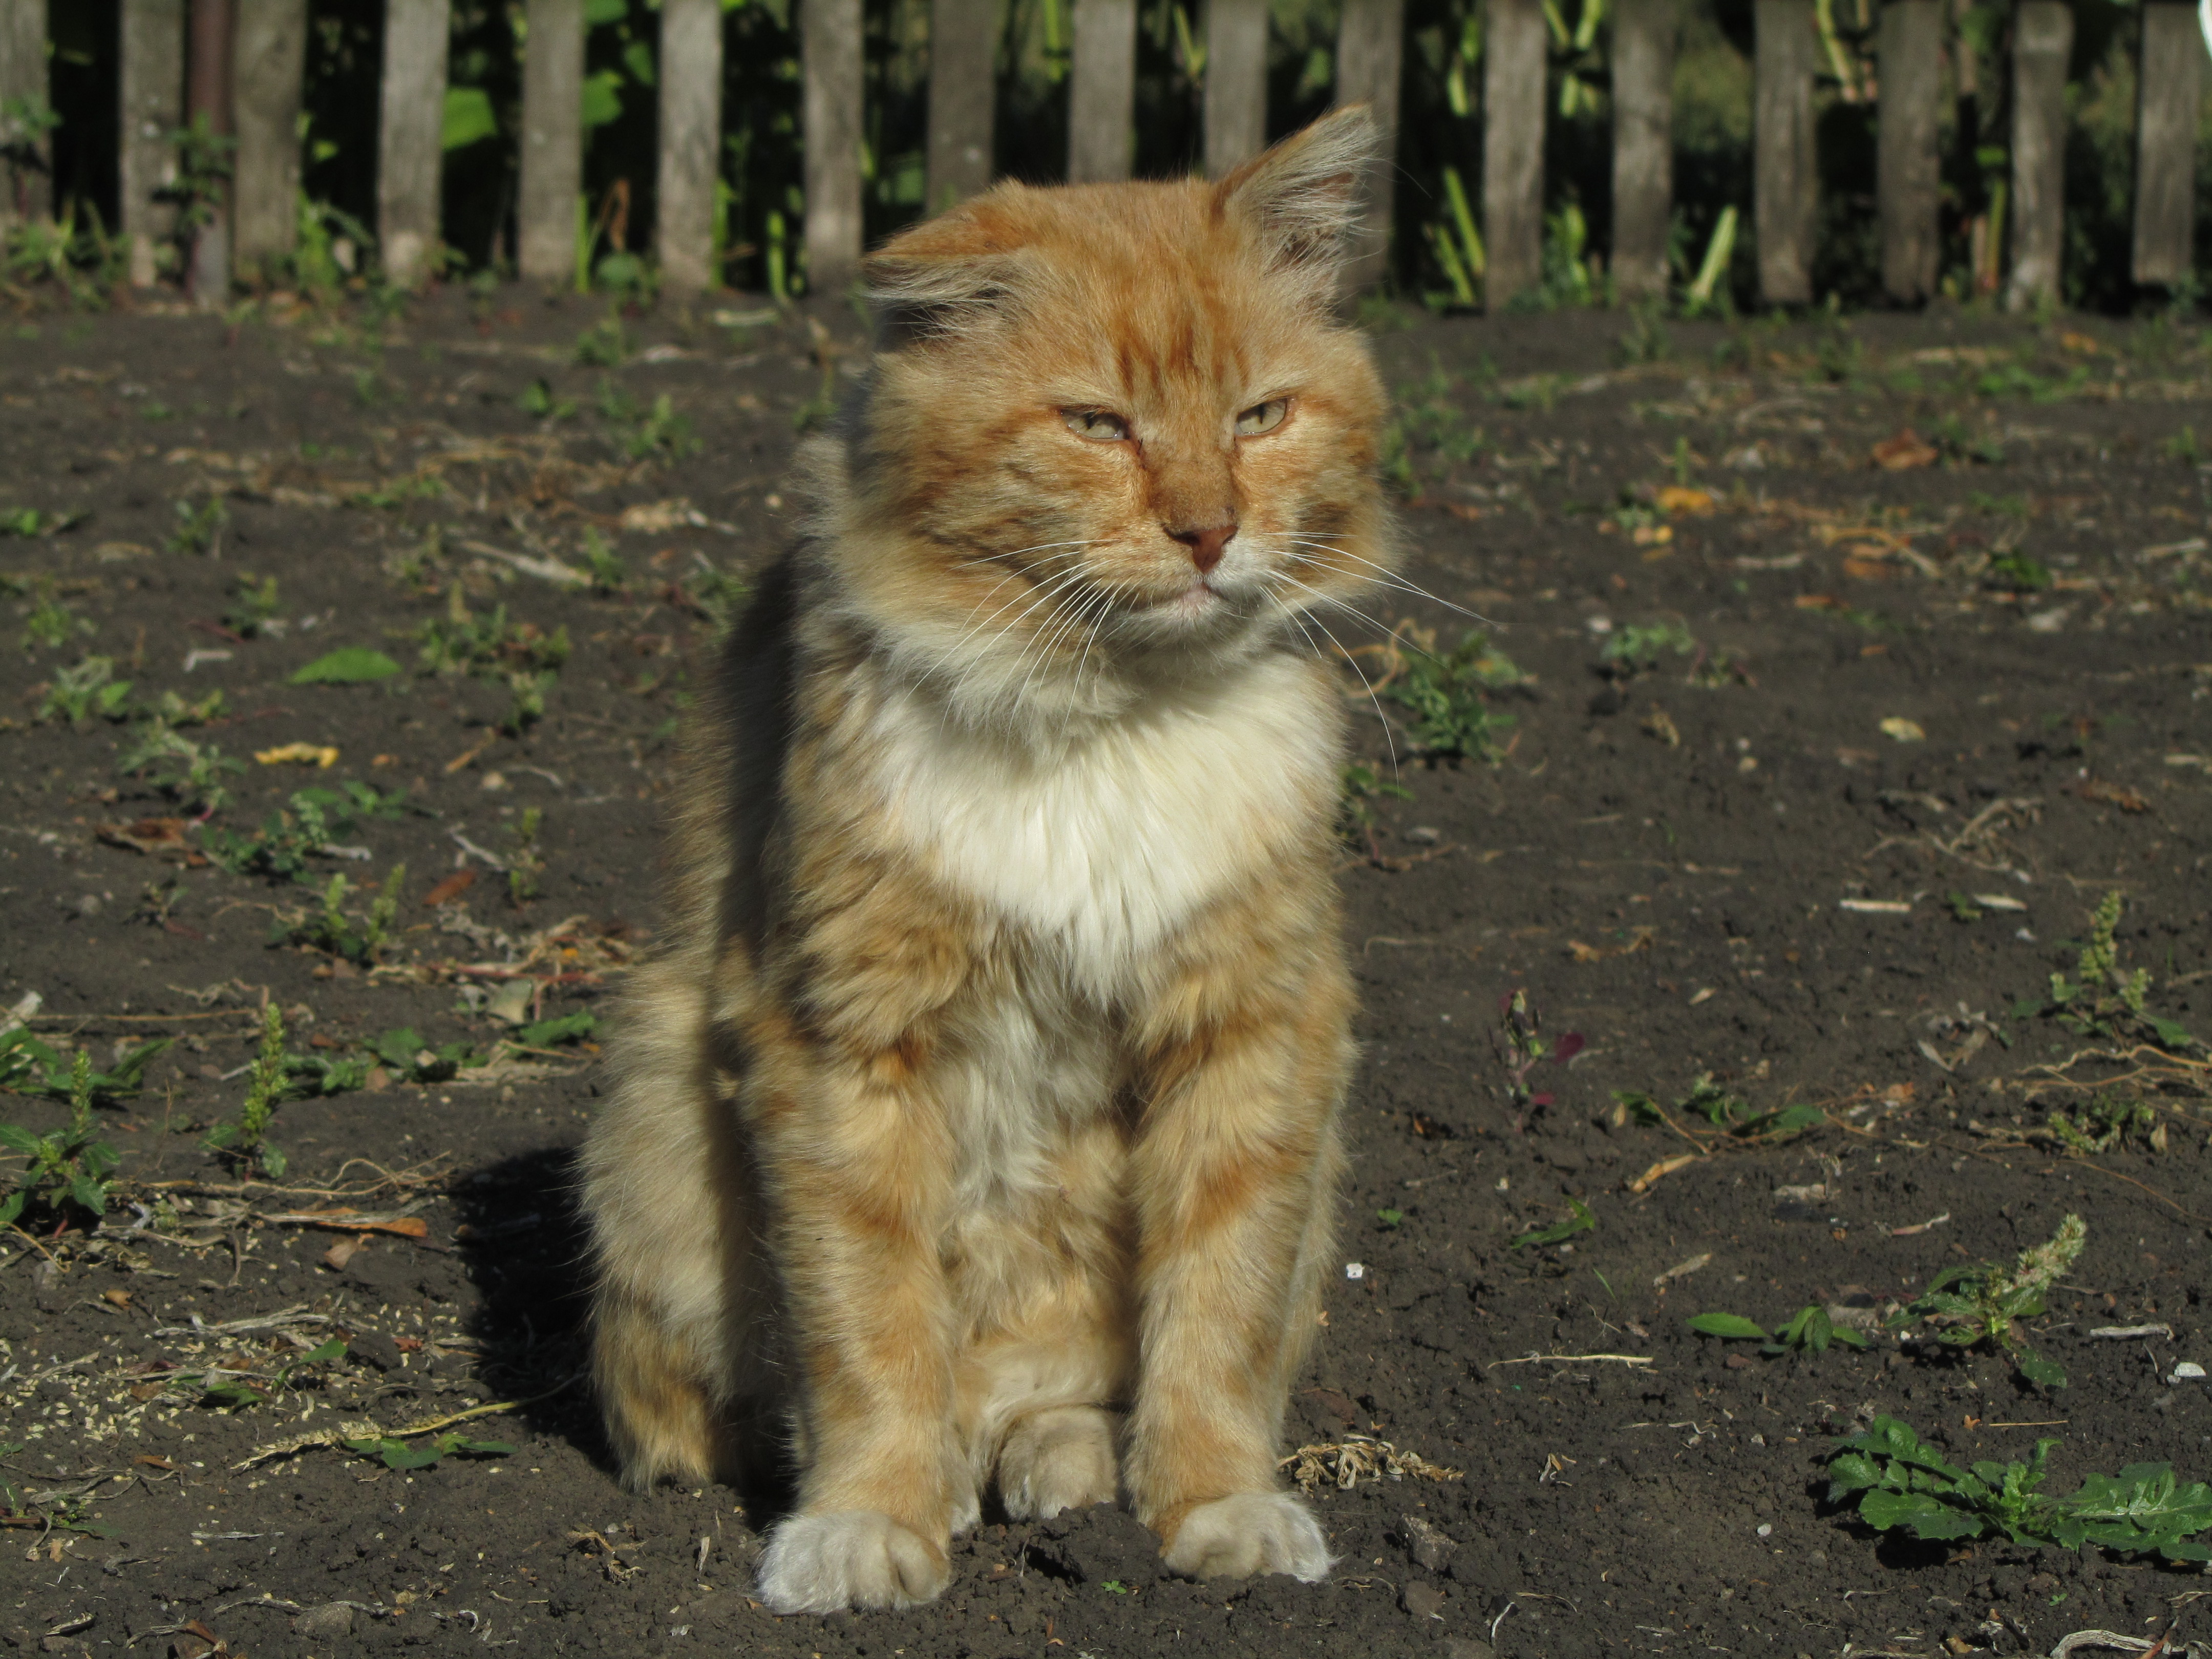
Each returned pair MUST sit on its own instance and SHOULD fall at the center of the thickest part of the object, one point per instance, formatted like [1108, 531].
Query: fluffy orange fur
[979, 1124]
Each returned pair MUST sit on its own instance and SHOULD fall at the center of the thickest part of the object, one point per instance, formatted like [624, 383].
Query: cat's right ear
[950, 274]
[1303, 197]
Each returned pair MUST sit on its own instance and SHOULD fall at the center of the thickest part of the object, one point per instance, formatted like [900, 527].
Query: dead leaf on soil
[1640, 939]
[1683, 1269]
[2116, 794]
[1660, 725]
[299, 754]
[161, 838]
[1680, 498]
[1344, 1463]
[1903, 452]
[450, 889]
[1663, 1168]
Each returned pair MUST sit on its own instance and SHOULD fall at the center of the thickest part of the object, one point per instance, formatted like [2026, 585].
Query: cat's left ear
[1303, 197]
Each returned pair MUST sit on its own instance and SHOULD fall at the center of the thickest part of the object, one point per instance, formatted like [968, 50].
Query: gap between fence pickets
[269, 63]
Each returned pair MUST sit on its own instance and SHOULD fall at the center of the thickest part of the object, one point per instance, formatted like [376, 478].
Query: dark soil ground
[1931, 716]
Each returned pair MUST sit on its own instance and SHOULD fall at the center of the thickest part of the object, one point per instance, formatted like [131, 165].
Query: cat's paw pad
[847, 1558]
[1251, 1532]
[1057, 1460]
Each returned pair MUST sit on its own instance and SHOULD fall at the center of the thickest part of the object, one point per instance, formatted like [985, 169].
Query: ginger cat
[979, 1123]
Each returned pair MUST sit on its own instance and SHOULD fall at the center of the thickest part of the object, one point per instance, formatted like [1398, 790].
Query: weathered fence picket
[151, 100]
[549, 204]
[411, 137]
[963, 55]
[1909, 184]
[829, 53]
[1786, 204]
[1513, 148]
[1236, 102]
[251, 87]
[690, 143]
[23, 75]
[268, 58]
[1101, 93]
[2043, 39]
[207, 108]
[1644, 37]
[2166, 143]
[1371, 44]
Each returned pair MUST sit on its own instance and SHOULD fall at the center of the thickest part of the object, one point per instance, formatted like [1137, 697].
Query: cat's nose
[1205, 545]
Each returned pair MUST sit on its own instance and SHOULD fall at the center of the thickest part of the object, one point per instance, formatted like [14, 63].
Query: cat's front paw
[1057, 1460]
[1250, 1532]
[848, 1558]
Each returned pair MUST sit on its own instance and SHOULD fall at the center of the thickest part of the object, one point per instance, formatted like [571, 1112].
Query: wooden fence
[252, 90]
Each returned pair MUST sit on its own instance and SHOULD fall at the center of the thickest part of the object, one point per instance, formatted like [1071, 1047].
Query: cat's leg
[1234, 1170]
[857, 1157]
[1059, 1458]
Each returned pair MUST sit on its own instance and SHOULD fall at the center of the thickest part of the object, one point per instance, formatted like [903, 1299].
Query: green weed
[538, 399]
[253, 605]
[190, 772]
[2183, 446]
[1959, 443]
[1636, 648]
[29, 521]
[2100, 1001]
[1363, 785]
[331, 930]
[69, 1166]
[236, 1388]
[28, 1066]
[49, 620]
[643, 434]
[1903, 1485]
[1983, 1302]
[199, 527]
[1722, 1111]
[1809, 1331]
[87, 691]
[245, 1143]
[2015, 573]
[526, 858]
[1446, 696]
[403, 1053]
[291, 838]
[1521, 1047]
[461, 642]
[2104, 1120]
[1579, 1220]
[1645, 340]
[605, 567]
[397, 1454]
[602, 345]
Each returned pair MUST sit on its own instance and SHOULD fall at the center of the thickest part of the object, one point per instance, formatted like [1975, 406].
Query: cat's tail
[681, 1306]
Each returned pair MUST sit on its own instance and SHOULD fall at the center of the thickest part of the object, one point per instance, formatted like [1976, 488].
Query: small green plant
[461, 642]
[331, 930]
[29, 521]
[87, 691]
[604, 345]
[2101, 1002]
[189, 772]
[1961, 444]
[1390, 1218]
[245, 1143]
[403, 1053]
[2104, 1120]
[1722, 1109]
[1451, 719]
[236, 1388]
[604, 565]
[1903, 1485]
[525, 859]
[199, 526]
[289, 838]
[28, 1066]
[1809, 1331]
[1364, 784]
[1983, 1302]
[577, 1027]
[2014, 572]
[1579, 1220]
[1645, 340]
[401, 1454]
[646, 433]
[49, 620]
[1636, 648]
[69, 1166]
[2183, 446]
[253, 605]
[538, 399]
[716, 597]
[1521, 1047]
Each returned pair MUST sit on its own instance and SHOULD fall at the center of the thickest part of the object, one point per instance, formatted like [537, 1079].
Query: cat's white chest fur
[1109, 845]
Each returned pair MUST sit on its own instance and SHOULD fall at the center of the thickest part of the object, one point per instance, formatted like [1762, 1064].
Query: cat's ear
[1303, 197]
[951, 273]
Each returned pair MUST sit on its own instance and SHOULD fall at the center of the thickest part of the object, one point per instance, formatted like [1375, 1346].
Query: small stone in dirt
[1422, 1601]
[385, 1272]
[1467, 1647]
[378, 1349]
[1737, 1362]
[1430, 1545]
[330, 1619]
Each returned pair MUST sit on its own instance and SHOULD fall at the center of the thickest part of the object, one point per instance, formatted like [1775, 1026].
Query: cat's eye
[1262, 418]
[1096, 424]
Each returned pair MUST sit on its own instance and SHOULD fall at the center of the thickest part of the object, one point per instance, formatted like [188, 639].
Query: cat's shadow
[524, 1242]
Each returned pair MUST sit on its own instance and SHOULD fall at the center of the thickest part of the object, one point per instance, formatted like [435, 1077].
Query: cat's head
[1115, 432]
